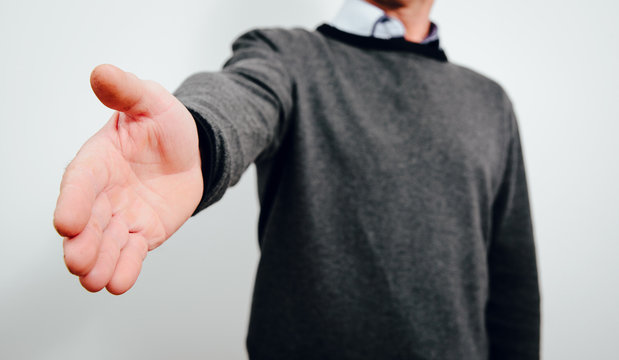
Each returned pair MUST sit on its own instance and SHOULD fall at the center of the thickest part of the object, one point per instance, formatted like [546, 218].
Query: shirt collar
[361, 18]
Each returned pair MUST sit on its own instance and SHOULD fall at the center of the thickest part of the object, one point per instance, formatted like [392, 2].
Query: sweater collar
[431, 50]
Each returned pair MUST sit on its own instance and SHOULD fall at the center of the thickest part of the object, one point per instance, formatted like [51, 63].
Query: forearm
[513, 309]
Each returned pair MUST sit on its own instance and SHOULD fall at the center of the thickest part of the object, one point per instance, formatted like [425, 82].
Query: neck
[414, 14]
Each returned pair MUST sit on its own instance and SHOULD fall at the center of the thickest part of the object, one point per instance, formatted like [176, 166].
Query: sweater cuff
[206, 141]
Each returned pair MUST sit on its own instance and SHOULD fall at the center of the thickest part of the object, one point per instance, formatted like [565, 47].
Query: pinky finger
[129, 264]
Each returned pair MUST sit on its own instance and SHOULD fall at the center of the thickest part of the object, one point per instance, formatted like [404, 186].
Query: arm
[138, 179]
[513, 309]
[241, 112]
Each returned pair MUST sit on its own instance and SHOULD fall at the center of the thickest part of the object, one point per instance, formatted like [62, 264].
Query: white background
[557, 60]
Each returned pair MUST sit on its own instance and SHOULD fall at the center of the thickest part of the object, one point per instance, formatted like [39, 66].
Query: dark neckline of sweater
[431, 49]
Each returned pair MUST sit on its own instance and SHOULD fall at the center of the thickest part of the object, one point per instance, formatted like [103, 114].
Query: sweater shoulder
[280, 40]
[483, 84]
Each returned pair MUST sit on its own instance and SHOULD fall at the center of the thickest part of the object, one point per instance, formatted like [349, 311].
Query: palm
[131, 185]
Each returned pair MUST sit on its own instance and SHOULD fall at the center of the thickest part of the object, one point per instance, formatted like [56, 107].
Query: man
[394, 219]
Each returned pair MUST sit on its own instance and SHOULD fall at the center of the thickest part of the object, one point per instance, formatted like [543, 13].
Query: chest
[408, 129]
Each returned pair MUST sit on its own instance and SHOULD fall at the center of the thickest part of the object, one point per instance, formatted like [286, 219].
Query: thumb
[120, 90]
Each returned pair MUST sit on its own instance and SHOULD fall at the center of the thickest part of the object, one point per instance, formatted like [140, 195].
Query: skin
[414, 14]
[138, 179]
[131, 185]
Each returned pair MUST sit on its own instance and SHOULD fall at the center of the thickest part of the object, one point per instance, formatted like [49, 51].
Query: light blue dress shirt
[362, 18]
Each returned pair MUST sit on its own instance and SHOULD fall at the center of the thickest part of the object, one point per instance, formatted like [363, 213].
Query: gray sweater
[395, 219]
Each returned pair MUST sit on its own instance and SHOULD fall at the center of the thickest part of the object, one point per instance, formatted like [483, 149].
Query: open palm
[131, 185]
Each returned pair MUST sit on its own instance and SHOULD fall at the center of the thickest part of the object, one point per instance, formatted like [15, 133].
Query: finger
[81, 183]
[129, 264]
[123, 91]
[114, 237]
[81, 251]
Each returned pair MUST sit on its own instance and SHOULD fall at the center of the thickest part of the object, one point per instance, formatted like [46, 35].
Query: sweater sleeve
[241, 112]
[513, 309]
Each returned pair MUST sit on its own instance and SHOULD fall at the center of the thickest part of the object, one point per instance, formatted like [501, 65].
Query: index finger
[85, 177]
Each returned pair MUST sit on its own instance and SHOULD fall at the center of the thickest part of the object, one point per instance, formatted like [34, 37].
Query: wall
[555, 58]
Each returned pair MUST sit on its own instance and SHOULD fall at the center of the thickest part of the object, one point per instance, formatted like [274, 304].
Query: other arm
[513, 309]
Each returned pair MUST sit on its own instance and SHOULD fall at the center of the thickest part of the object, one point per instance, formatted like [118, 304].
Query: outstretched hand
[131, 185]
